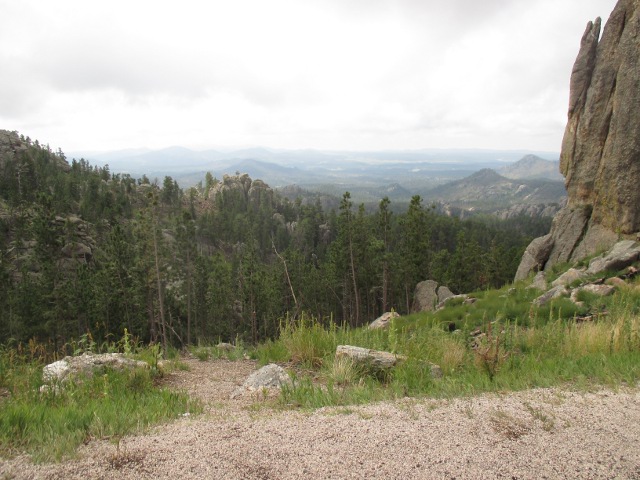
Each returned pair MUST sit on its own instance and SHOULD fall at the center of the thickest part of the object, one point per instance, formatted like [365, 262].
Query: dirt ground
[545, 433]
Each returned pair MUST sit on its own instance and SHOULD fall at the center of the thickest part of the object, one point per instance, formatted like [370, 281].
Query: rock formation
[600, 156]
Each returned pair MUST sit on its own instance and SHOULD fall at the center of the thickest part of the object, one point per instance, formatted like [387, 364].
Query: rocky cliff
[600, 156]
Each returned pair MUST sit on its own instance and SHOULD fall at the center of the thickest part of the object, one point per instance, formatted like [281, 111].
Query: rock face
[600, 156]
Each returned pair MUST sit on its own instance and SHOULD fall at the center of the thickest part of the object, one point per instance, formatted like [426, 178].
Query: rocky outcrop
[600, 156]
[77, 248]
[525, 210]
[10, 146]
[14, 146]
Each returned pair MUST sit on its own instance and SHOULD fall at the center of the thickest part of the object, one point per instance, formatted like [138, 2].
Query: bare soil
[544, 433]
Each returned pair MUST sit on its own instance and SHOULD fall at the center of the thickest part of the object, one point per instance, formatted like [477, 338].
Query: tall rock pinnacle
[600, 156]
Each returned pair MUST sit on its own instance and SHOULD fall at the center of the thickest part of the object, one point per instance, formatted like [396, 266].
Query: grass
[520, 347]
[51, 425]
[205, 352]
[515, 346]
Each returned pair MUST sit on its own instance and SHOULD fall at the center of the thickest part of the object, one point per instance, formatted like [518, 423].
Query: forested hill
[89, 252]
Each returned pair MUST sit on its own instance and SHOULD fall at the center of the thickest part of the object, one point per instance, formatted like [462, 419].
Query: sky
[293, 74]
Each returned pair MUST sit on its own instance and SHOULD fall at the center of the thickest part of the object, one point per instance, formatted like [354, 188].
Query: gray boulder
[383, 320]
[447, 301]
[599, 290]
[534, 256]
[555, 292]
[444, 293]
[622, 255]
[568, 277]
[268, 379]
[425, 297]
[71, 368]
[539, 281]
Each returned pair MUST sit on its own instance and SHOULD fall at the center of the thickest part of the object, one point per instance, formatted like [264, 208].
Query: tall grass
[52, 424]
[520, 347]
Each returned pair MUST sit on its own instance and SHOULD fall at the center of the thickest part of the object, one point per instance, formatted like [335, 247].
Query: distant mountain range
[463, 179]
[488, 190]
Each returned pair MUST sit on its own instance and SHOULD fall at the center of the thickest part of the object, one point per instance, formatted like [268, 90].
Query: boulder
[463, 299]
[70, 368]
[568, 277]
[378, 361]
[623, 254]
[615, 282]
[424, 297]
[373, 359]
[383, 320]
[534, 256]
[77, 250]
[601, 144]
[599, 290]
[444, 293]
[555, 292]
[539, 281]
[269, 378]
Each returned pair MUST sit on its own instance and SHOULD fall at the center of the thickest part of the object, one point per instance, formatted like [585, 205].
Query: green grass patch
[51, 425]
[502, 343]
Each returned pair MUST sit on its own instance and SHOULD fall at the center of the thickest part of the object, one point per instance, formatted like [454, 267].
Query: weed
[508, 426]
[547, 421]
[343, 371]
[308, 342]
[490, 352]
[122, 457]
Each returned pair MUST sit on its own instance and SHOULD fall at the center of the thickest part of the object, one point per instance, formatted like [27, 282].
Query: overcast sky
[326, 74]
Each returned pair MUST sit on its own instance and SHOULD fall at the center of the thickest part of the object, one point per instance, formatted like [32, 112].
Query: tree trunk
[385, 285]
[163, 325]
[355, 282]
[189, 277]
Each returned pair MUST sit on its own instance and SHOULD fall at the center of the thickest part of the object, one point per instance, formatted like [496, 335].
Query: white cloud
[324, 74]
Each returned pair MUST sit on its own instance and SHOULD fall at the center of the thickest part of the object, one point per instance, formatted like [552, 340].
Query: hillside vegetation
[87, 251]
[94, 261]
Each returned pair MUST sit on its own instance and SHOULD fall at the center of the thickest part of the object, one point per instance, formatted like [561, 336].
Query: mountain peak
[532, 167]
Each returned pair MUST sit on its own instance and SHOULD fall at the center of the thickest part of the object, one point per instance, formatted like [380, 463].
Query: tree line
[84, 251]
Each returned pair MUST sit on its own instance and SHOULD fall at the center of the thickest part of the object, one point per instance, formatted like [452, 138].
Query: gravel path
[536, 434]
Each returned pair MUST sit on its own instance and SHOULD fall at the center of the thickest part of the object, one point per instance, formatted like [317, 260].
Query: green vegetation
[50, 425]
[86, 254]
[84, 251]
[501, 343]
